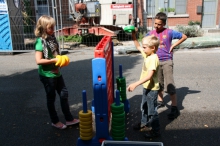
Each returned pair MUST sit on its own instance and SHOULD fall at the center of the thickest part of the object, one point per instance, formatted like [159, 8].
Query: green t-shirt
[49, 70]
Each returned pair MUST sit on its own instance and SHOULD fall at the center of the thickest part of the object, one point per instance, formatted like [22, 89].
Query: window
[180, 7]
[154, 6]
[41, 2]
[151, 7]
[161, 4]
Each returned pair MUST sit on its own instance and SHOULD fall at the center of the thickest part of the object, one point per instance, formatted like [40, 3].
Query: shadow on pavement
[25, 120]
[188, 129]
[23, 113]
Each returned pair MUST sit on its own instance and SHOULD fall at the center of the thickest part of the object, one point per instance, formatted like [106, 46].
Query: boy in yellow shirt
[150, 83]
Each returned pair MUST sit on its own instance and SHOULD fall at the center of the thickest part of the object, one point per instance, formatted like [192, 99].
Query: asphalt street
[24, 119]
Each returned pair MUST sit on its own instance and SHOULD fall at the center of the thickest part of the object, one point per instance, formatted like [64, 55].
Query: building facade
[207, 12]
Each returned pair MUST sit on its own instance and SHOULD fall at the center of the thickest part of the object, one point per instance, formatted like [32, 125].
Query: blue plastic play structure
[100, 102]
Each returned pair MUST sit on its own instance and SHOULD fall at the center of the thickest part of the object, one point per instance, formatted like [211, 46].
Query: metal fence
[24, 14]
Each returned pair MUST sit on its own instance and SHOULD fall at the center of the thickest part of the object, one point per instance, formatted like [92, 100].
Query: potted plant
[171, 11]
[161, 10]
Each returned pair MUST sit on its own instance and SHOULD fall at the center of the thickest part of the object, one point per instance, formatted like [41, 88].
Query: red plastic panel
[104, 50]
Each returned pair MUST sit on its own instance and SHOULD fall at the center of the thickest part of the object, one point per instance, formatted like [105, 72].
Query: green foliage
[171, 9]
[88, 39]
[190, 31]
[194, 23]
[162, 10]
[141, 33]
[140, 36]
[198, 23]
[71, 38]
[168, 9]
[91, 39]
[142, 29]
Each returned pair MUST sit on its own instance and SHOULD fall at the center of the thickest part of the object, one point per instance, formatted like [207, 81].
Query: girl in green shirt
[46, 50]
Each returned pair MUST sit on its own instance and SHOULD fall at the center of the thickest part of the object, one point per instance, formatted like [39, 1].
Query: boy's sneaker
[160, 104]
[152, 134]
[174, 113]
[139, 128]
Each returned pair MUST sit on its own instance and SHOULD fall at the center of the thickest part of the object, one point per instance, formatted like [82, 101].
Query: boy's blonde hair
[151, 41]
[42, 24]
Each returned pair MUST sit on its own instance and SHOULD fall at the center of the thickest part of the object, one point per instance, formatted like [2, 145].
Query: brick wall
[173, 21]
[192, 8]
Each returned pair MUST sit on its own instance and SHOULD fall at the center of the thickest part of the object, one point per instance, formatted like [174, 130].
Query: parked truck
[100, 17]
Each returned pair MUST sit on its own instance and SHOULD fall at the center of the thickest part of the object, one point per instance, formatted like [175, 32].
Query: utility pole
[135, 13]
[145, 15]
[152, 14]
[145, 21]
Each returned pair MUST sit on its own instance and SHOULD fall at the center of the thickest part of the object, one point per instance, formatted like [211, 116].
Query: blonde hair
[151, 41]
[42, 23]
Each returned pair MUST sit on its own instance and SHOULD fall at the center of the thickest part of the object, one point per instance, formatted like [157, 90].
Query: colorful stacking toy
[118, 119]
[85, 117]
[121, 86]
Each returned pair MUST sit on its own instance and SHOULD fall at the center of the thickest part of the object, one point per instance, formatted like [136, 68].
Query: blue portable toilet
[11, 26]
[5, 32]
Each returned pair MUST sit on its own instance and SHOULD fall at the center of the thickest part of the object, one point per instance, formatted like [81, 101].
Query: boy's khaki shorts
[165, 77]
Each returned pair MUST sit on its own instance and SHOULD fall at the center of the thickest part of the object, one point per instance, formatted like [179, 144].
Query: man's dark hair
[161, 16]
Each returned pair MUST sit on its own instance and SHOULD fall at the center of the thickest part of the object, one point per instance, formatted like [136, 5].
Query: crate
[130, 143]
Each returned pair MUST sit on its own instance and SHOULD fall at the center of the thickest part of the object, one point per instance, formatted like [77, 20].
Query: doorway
[209, 13]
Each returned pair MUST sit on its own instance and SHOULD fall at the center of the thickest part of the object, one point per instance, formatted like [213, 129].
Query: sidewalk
[207, 41]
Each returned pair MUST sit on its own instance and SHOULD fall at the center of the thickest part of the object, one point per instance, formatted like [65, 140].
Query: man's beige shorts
[165, 76]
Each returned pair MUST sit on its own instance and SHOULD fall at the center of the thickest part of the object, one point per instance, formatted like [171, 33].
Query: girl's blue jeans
[53, 85]
[149, 109]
